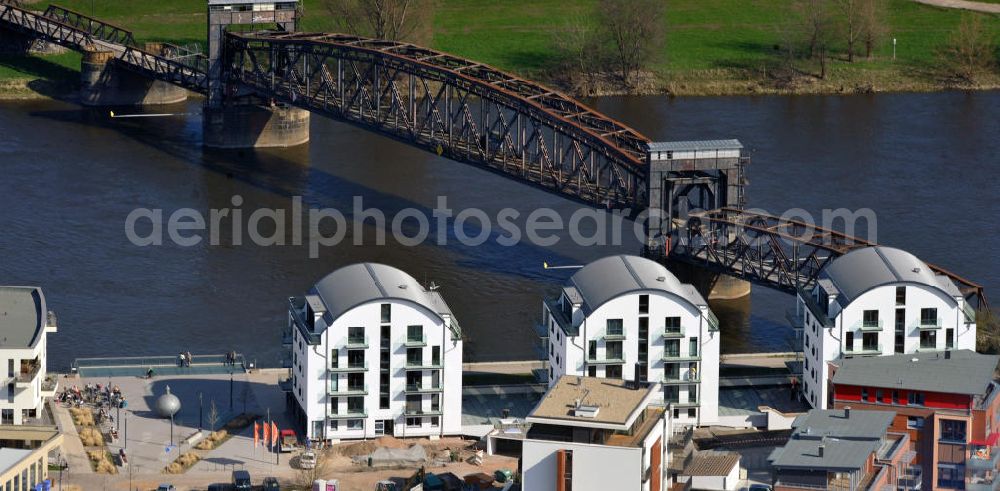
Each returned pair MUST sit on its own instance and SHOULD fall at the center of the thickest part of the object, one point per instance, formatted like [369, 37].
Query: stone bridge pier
[103, 83]
[254, 126]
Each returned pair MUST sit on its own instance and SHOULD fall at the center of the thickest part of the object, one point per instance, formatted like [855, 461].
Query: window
[414, 380]
[356, 405]
[592, 350]
[672, 348]
[415, 334]
[672, 325]
[435, 355]
[949, 338]
[928, 317]
[616, 327]
[928, 339]
[613, 371]
[870, 318]
[356, 358]
[951, 476]
[693, 347]
[412, 422]
[878, 396]
[414, 357]
[613, 350]
[592, 371]
[355, 381]
[953, 430]
[864, 394]
[383, 402]
[386, 313]
[356, 334]
[435, 422]
[692, 412]
[848, 341]
[643, 304]
[914, 422]
[900, 295]
[380, 427]
[869, 341]
[915, 399]
[693, 393]
[355, 424]
[671, 394]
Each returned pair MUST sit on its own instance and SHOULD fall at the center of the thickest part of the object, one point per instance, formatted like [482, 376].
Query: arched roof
[610, 277]
[357, 284]
[863, 269]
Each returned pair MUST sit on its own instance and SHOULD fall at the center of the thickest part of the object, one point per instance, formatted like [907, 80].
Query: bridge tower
[687, 177]
[235, 120]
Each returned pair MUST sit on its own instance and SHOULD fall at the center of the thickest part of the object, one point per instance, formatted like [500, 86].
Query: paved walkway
[72, 449]
[990, 8]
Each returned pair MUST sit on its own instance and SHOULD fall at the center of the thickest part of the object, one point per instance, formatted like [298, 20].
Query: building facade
[375, 353]
[24, 324]
[947, 404]
[596, 434]
[24, 456]
[626, 317]
[877, 301]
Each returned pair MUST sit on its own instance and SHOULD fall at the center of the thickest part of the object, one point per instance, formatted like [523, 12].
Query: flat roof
[848, 438]
[837, 454]
[9, 457]
[951, 372]
[618, 402]
[712, 463]
[695, 145]
[22, 314]
[836, 423]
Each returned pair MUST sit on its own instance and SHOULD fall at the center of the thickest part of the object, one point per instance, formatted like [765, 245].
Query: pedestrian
[149, 373]
[188, 357]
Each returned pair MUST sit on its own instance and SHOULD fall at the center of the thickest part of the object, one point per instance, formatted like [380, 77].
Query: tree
[580, 52]
[850, 11]
[635, 31]
[213, 415]
[816, 20]
[873, 15]
[395, 20]
[970, 47]
[323, 469]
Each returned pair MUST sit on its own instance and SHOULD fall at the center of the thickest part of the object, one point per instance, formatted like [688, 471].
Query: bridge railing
[97, 28]
[168, 70]
[27, 22]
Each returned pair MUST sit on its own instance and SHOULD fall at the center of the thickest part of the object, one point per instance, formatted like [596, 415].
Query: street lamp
[230, 392]
[201, 424]
[126, 430]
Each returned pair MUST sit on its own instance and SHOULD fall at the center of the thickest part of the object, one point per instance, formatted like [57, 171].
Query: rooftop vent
[582, 411]
[847, 411]
[820, 450]
[661, 278]
[916, 270]
[402, 287]
[914, 359]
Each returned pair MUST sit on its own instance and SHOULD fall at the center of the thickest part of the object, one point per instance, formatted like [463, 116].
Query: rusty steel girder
[97, 28]
[775, 251]
[457, 108]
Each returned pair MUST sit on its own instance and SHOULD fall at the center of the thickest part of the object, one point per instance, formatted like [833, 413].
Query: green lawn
[703, 36]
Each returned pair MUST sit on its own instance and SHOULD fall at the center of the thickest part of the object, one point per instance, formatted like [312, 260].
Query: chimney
[847, 411]
[820, 449]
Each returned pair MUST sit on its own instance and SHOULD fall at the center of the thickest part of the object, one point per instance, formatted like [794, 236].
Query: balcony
[614, 359]
[618, 335]
[681, 378]
[421, 365]
[688, 403]
[983, 458]
[422, 389]
[421, 412]
[864, 350]
[415, 340]
[675, 357]
[350, 367]
[795, 319]
[355, 342]
[50, 322]
[982, 484]
[929, 324]
[29, 371]
[350, 414]
[337, 390]
[673, 332]
[713, 321]
[910, 478]
[868, 326]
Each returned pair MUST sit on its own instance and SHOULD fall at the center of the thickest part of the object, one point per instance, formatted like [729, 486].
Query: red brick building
[946, 402]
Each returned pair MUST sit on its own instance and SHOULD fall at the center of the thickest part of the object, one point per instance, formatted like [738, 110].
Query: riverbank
[713, 47]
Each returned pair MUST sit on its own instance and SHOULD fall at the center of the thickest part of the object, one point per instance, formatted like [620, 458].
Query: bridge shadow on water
[283, 172]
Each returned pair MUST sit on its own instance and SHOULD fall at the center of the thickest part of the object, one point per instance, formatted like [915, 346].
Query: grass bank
[713, 47]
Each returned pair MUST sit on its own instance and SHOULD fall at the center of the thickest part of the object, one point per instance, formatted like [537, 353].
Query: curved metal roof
[357, 284]
[610, 277]
[22, 316]
[862, 269]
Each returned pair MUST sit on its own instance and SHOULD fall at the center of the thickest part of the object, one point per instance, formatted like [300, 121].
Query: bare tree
[850, 16]
[580, 52]
[396, 20]
[635, 29]
[873, 23]
[817, 21]
[970, 47]
[213, 415]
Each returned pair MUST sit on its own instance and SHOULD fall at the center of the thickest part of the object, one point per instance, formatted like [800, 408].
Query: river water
[927, 164]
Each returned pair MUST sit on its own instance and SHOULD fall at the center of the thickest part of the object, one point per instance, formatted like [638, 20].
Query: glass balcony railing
[415, 340]
[347, 390]
[355, 342]
[614, 335]
[350, 367]
[675, 356]
[673, 332]
[609, 359]
[870, 325]
[422, 364]
[421, 388]
[350, 413]
[864, 349]
[686, 377]
[925, 324]
[983, 458]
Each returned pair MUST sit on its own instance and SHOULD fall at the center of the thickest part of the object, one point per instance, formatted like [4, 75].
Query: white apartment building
[24, 324]
[627, 317]
[597, 434]
[375, 353]
[877, 301]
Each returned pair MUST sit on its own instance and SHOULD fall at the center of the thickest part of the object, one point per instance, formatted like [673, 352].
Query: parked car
[218, 487]
[289, 442]
[307, 460]
[166, 487]
[271, 484]
[241, 481]
[759, 487]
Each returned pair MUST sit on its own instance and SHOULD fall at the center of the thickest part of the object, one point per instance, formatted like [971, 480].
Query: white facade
[616, 318]
[638, 461]
[874, 302]
[24, 325]
[375, 353]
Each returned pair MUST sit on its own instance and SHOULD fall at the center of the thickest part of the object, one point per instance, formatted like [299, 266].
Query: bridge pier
[713, 286]
[254, 126]
[104, 84]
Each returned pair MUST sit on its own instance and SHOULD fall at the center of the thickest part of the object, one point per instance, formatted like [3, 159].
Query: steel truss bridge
[469, 112]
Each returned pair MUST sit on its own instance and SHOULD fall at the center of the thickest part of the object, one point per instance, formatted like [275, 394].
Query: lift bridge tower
[235, 120]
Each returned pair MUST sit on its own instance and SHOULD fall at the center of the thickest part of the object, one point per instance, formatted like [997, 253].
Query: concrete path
[989, 8]
[72, 448]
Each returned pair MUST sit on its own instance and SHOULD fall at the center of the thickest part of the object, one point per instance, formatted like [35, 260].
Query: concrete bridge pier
[254, 126]
[104, 84]
[713, 286]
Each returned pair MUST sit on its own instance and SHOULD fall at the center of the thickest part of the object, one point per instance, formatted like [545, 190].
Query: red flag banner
[267, 435]
[274, 433]
[256, 434]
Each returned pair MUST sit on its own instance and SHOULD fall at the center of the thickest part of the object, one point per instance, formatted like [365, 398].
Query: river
[925, 163]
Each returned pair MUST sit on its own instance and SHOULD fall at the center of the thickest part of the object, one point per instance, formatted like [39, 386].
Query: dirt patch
[367, 447]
